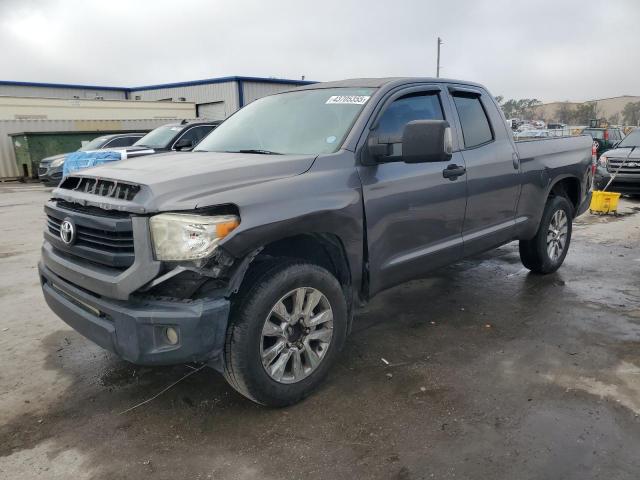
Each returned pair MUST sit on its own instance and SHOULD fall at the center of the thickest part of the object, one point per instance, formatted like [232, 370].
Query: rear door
[413, 213]
[493, 171]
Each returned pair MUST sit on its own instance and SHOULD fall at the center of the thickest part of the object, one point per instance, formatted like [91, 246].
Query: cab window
[415, 106]
[476, 129]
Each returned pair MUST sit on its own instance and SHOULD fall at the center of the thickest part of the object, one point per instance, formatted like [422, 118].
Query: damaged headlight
[179, 237]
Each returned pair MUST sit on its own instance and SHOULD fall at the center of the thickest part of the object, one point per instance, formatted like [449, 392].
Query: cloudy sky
[551, 50]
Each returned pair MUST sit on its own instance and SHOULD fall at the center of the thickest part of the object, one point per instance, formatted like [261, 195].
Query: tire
[247, 344]
[534, 253]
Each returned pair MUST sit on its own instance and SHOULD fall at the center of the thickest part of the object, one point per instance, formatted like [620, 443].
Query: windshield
[631, 140]
[304, 122]
[94, 144]
[160, 137]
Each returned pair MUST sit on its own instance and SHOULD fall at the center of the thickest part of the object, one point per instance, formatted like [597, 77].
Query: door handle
[516, 160]
[453, 171]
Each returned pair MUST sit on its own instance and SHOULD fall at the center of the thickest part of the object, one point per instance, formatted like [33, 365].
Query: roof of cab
[382, 82]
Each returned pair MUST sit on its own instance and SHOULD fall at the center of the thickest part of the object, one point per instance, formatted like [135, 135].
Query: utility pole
[438, 67]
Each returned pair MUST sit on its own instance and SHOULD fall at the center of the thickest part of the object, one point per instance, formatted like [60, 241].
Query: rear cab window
[476, 128]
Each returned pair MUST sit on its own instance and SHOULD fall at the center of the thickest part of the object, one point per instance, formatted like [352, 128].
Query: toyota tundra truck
[252, 253]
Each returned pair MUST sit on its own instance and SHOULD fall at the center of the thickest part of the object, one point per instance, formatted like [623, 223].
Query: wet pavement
[492, 373]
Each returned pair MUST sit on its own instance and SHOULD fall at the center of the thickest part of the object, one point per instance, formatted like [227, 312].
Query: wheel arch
[568, 186]
[323, 249]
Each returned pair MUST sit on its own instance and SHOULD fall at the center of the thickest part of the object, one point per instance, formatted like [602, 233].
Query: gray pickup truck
[252, 253]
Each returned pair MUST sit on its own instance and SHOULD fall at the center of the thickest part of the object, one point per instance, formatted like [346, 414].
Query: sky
[551, 50]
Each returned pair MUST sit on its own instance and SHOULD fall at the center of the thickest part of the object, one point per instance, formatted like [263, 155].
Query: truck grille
[105, 239]
[630, 166]
[116, 242]
[101, 187]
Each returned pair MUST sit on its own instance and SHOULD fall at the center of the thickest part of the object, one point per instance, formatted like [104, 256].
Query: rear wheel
[287, 327]
[545, 252]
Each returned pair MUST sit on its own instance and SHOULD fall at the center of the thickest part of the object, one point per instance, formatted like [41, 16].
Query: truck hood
[624, 152]
[179, 181]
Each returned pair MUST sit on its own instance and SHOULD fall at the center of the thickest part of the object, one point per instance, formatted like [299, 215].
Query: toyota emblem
[67, 232]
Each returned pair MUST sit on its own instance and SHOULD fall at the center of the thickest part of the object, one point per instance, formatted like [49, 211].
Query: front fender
[325, 200]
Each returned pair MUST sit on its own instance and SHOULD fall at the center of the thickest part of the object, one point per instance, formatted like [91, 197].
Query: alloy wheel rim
[557, 235]
[296, 335]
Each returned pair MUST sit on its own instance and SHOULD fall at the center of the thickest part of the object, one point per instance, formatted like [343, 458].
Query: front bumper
[135, 329]
[623, 183]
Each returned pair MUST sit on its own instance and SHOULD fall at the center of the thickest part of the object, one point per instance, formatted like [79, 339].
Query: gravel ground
[492, 373]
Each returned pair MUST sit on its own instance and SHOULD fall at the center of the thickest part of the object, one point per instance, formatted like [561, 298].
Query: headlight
[57, 162]
[602, 161]
[178, 237]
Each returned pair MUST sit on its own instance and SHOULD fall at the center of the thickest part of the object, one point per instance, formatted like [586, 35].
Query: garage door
[212, 111]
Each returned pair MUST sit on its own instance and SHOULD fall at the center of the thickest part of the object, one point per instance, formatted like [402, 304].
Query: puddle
[623, 387]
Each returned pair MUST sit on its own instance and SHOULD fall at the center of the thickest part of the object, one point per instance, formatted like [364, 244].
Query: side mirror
[426, 141]
[378, 149]
[183, 144]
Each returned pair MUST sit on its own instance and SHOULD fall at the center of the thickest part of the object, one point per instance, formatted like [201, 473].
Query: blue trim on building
[127, 90]
[240, 94]
[60, 85]
[209, 81]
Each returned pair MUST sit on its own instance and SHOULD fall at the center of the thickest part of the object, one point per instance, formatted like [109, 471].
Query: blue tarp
[80, 160]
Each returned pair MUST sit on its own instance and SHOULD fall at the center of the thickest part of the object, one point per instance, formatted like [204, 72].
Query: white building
[213, 98]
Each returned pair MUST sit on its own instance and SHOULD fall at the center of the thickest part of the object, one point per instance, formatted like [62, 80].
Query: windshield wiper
[256, 150]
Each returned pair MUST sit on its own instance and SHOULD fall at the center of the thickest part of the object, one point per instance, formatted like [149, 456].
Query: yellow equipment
[604, 202]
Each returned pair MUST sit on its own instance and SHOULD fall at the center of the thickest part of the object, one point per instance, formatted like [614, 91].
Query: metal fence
[8, 166]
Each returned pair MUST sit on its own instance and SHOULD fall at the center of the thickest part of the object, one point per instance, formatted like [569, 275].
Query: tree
[564, 113]
[510, 109]
[499, 99]
[527, 107]
[523, 108]
[584, 112]
[631, 113]
[614, 119]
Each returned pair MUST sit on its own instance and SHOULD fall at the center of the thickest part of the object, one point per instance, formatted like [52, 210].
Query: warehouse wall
[226, 92]
[8, 167]
[57, 92]
[254, 90]
[607, 107]
[17, 108]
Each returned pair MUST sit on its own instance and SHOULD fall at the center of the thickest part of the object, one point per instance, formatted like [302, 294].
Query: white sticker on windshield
[348, 99]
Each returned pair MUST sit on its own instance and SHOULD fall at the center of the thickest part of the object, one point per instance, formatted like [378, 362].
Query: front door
[413, 213]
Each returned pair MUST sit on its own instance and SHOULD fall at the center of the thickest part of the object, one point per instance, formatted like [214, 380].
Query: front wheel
[545, 252]
[287, 326]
